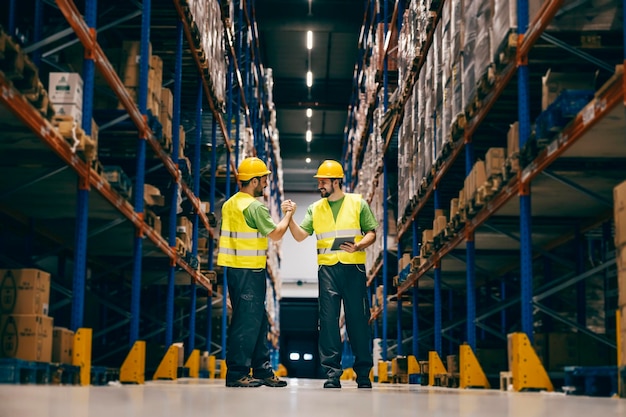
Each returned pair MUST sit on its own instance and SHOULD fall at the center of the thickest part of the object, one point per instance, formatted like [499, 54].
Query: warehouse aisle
[302, 398]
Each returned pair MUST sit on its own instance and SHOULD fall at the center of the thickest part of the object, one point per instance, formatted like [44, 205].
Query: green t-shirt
[258, 217]
[367, 219]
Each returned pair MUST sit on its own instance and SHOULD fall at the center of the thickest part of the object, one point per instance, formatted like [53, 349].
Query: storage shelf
[608, 103]
[42, 128]
[87, 38]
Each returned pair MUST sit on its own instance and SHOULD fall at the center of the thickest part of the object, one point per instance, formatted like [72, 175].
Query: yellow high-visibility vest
[240, 246]
[347, 224]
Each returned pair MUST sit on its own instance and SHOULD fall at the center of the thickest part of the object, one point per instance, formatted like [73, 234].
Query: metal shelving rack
[605, 106]
[85, 30]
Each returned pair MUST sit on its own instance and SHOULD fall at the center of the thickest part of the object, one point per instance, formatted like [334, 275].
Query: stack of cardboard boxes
[25, 327]
[619, 202]
[26, 330]
[66, 95]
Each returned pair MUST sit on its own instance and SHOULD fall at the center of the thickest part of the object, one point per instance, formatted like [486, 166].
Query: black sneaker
[244, 382]
[364, 383]
[332, 383]
[273, 381]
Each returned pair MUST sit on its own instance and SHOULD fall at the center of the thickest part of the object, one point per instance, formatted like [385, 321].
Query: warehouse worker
[246, 225]
[341, 272]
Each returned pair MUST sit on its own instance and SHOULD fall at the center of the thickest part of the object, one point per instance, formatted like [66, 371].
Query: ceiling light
[309, 113]
[309, 40]
[308, 160]
[309, 136]
[309, 79]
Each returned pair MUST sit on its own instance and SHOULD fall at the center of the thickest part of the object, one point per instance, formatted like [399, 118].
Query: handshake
[288, 206]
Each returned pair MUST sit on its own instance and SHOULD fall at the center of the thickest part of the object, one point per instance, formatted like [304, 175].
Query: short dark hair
[245, 183]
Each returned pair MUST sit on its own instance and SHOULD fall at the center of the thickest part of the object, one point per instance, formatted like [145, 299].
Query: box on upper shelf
[66, 88]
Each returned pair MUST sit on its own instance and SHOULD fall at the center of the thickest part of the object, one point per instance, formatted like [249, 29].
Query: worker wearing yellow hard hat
[344, 226]
[246, 226]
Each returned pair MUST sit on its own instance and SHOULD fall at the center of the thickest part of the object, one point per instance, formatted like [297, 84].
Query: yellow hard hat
[329, 169]
[251, 167]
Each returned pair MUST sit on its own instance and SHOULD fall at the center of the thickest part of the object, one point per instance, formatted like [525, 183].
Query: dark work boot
[273, 381]
[332, 383]
[244, 382]
[364, 383]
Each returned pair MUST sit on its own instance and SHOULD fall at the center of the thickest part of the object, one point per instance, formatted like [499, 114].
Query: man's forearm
[298, 233]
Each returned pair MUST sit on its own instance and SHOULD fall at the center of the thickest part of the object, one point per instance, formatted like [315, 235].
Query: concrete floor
[302, 398]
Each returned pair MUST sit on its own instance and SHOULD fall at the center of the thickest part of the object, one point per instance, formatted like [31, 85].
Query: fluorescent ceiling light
[309, 136]
[309, 79]
[309, 113]
[308, 160]
[309, 40]
[294, 356]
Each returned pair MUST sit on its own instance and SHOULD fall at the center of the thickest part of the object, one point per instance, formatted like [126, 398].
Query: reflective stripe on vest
[347, 225]
[240, 246]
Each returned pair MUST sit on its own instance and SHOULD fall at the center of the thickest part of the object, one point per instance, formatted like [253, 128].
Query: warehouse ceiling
[283, 26]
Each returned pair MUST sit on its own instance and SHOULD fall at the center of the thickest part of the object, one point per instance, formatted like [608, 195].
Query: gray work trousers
[247, 334]
[347, 283]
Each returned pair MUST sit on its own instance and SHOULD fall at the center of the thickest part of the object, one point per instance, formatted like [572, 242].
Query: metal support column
[470, 275]
[38, 28]
[523, 100]
[195, 167]
[385, 205]
[11, 22]
[385, 260]
[438, 305]
[416, 328]
[140, 174]
[82, 203]
[173, 209]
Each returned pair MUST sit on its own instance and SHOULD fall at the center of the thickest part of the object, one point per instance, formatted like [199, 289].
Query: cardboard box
[69, 110]
[620, 256]
[65, 88]
[512, 140]
[405, 260]
[24, 291]
[167, 103]
[494, 161]
[152, 196]
[619, 214]
[62, 345]
[622, 355]
[129, 62]
[26, 336]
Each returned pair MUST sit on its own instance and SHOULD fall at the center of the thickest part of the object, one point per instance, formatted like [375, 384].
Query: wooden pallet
[75, 136]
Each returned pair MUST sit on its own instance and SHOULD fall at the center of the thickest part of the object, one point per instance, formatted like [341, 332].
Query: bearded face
[260, 185]
[325, 186]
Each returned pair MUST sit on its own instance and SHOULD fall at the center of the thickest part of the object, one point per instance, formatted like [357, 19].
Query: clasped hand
[288, 205]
